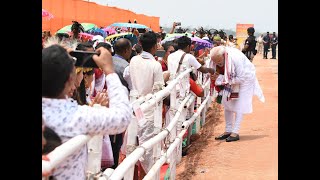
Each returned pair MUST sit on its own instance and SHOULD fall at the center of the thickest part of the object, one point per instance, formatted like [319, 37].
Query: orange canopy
[65, 11]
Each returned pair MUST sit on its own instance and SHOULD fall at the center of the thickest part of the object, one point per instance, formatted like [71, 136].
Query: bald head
[123, 48]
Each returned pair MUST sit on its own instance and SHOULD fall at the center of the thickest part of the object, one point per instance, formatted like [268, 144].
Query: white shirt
[144, 72]
[68, 119]
[188, 60]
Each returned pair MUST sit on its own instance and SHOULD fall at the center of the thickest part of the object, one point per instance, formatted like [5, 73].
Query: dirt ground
[255, 155]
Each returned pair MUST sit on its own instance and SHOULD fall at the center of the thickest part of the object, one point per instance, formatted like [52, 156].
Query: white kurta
[144, 73]
[245, 75]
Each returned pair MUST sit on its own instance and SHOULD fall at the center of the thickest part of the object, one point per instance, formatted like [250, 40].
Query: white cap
[96, 39]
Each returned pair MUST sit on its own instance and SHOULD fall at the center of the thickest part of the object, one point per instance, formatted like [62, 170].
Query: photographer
[67, 118]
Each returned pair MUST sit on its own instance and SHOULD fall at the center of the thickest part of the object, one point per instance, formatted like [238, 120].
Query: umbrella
[110, 30]
[200, 42]
[97, 31]
[113, 38]
[179, 35]
[86, 26]
[46, 14]
[129, 25]
[84, 35]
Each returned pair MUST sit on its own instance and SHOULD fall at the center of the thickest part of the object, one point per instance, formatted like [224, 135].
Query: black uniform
[274, 43]
[266, 46]
[251, 50]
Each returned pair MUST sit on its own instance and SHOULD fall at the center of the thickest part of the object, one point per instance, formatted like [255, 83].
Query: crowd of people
[96, 101]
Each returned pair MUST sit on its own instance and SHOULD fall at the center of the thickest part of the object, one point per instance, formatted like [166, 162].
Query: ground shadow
[251, 137]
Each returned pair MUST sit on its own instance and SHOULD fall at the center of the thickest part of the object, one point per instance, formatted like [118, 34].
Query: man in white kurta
[239, 72]
[145, 76]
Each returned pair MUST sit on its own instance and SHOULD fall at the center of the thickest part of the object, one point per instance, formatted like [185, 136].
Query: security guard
[249, 48]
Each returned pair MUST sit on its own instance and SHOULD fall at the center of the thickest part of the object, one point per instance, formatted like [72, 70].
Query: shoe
[222, 137]
[273, 58]
[230, 138]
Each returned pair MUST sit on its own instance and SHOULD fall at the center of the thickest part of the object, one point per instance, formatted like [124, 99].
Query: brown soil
[255, 155]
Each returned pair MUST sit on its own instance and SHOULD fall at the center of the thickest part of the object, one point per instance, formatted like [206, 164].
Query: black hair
[166, 45]
[175, 46]
[103, 44]
[148, 41]
[121, 45]
[57, 66]
[183, 42]
[77, 26]
[158, 35]
[133, 53]
[230, 36]
[138, 48]
[84, 46]
[53, 140]
[163, 35]
[62, 36]
[80, 93]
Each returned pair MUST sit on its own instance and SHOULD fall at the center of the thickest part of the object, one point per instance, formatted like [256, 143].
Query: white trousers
[232, 121]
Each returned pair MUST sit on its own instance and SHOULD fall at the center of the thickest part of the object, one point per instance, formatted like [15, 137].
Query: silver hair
[217, 51]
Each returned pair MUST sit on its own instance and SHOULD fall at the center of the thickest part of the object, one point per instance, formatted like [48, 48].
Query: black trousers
[116, 143]
[273, 47]
[265, 50]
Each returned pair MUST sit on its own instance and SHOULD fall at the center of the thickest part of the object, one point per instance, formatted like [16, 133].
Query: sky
[222, 14]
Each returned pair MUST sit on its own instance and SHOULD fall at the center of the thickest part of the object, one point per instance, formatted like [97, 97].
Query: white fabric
[240, 70]
[188, 60]
[233, 121]
[97, 39]
[99, 83]
[107, 158]
[228, 116]
[88, 95]
[145, 73]
[126, 76]
[260, 40]
[68, 119]
[231, 44]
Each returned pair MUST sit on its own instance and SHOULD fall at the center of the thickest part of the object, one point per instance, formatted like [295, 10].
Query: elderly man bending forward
[240, 84]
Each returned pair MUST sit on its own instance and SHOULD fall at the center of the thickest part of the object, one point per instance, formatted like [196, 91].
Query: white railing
[181, 106]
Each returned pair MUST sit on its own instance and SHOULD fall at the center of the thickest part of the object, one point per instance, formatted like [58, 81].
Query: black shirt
[274, 40]
[251, 42]
[266, 38]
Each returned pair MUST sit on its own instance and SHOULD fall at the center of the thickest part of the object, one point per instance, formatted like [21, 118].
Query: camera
[84, 58]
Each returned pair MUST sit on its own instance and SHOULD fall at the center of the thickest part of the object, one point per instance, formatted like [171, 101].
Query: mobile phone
[178, 23]
[160, 53]
[84, 58]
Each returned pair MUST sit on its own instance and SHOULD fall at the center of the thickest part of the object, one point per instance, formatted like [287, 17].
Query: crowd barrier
[183, 117]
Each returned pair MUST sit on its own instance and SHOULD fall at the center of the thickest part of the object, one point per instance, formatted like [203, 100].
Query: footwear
[222, 137]
[230, 138]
